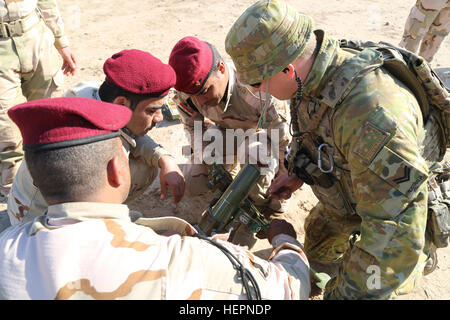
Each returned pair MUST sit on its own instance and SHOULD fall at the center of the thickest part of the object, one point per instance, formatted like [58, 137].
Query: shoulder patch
[397, 171]
[370, 142]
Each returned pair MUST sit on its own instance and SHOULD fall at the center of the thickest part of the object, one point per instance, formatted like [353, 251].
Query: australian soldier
[359, 139]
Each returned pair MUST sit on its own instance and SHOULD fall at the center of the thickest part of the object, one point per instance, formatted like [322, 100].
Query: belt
[20, 26]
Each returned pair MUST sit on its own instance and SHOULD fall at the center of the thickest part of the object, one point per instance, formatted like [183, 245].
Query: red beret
[63, 122]
[192, 60]
[139, 72]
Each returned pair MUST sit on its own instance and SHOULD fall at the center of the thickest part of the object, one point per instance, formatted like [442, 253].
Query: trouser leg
[419, 21]
[437, 32]
[10, 95]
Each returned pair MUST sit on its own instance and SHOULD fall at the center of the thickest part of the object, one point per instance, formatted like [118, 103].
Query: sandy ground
[97, 29]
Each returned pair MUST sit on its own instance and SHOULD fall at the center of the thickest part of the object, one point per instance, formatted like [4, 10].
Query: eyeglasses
[256, 85]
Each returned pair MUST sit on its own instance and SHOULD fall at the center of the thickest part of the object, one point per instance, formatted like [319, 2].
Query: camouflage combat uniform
[372, 211]
[30, 68]
[240, 109]
[144, 155]
[427, 26]
[152, 259]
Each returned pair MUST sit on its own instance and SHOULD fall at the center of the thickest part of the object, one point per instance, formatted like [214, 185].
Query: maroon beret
[139, 72]
[63, 122]
[192, 60]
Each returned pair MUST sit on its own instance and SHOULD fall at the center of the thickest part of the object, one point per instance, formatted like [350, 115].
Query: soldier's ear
[121, 100]
[221, 67]
[289, 70]
[117, 172]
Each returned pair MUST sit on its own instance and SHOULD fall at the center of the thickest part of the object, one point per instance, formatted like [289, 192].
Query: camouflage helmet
[266, 38]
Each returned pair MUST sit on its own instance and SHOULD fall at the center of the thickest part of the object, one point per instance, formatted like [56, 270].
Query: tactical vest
[314, 157]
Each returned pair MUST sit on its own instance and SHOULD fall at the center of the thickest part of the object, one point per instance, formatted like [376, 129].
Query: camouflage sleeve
[194, 266]
[279, 118]
[53, 20]
[378, 129]
[147, 149]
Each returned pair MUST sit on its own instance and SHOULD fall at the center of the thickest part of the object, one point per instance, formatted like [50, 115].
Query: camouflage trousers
[328, 238]
[30, 69]
[426, 27]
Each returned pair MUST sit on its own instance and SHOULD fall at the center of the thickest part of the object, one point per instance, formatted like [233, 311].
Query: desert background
[97, 29]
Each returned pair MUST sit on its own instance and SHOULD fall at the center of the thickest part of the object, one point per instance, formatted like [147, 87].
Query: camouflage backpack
[413, 71]
[434, 100]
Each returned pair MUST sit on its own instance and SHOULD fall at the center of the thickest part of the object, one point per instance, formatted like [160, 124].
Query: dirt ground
[97, 29]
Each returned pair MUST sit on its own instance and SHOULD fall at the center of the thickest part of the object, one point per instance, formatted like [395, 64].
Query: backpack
[434, 99]
[413, 71]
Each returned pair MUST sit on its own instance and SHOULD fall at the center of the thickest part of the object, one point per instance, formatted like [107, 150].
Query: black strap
[247, 278]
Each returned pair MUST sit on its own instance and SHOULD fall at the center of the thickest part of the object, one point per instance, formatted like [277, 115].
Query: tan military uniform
[426, 27]
[25, 200]
[93, 251]
[29, 69]
[241, 109]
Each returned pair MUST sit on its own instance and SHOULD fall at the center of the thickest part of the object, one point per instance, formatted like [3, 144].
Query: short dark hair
[72, 173]
[109, 91]
[217, 58]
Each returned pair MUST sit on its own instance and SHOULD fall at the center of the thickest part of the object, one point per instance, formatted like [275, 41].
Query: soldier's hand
[172, 177]
[284, 185]
[279, 226]
[70, 62]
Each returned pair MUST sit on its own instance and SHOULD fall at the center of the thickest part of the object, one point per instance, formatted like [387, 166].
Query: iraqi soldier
[31, 40]
[85, 247]
[359, 140]
[427, 26]
[209, 94]
[141, 82]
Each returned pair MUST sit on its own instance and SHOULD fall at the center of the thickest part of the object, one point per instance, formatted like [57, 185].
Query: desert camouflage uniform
[427, 26]
[25, 201]
[372, 211]
[30, 68]
[93, 251]
[241, 109]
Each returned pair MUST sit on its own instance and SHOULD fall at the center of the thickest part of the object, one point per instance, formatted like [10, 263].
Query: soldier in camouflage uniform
[427, 26]
[209, 93]
[31, 41]
[85, 247]
[360, 147]
[144, 84]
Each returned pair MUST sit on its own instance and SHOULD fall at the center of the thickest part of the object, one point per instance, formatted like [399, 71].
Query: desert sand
[97, 29]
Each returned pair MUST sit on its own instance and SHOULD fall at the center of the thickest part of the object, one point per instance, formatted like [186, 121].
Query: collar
[126, 134]
[82, 211]
[324, 59]
[95, 94]
[232, 81]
